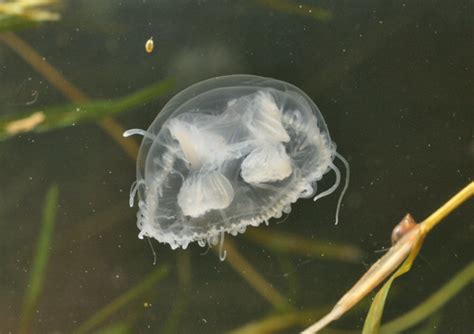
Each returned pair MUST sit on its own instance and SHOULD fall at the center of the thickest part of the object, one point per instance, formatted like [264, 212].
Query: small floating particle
[149, 45]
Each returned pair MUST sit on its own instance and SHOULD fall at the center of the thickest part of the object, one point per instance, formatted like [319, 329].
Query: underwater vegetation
[407, 247]
[56, 117]
[43, 246]
[135, 305]
[20, 14]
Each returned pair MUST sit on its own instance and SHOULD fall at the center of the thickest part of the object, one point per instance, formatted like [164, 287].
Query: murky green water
[394, 83]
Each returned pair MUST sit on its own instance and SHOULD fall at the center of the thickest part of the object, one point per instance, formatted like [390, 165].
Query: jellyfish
[228, 153]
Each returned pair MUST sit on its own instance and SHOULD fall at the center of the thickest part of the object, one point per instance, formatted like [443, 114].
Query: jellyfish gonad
[227, 153]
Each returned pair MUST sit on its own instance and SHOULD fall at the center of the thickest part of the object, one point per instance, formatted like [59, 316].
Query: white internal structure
[205, 148]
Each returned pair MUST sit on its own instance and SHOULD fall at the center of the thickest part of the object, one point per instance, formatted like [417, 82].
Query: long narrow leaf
[406, 249]
[12, 23]
[372, 321]
[432, 303]
[122, 300]
[73, 114]
[43, 247]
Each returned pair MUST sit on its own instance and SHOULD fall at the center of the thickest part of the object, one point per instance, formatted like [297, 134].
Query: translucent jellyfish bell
[228, 153]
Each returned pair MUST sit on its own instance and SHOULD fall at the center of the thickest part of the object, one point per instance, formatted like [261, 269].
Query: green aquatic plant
[427, 309]
[73, 114]
[180, 304]
[398, 260]
[20, 14]
[124, 299]
[38, 276]
[432, 304]
[69, 90]
[40, 261]
[275, 323]
[296, 244]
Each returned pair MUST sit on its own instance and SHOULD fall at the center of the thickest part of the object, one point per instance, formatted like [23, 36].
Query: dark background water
[393, 79]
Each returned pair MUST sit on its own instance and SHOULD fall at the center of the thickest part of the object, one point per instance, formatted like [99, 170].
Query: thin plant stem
[447, 208]
[292, 243]
[40, 262]
[406, 249]
[39, 63]
[181, 300]
[253, 277]
[278, 322]
[127, 297]
[432, 303]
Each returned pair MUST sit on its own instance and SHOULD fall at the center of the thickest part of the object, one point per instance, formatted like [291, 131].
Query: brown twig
[55, 78]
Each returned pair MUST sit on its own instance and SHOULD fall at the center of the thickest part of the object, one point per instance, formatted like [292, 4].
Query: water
[393, 81]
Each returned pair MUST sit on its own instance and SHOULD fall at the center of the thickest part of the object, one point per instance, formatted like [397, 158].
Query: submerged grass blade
[253, 277]
[69, 90]
[279, 322]
[73, 114]
[286, 242]
[406, 249]
[12, 23]
[430, 327]
[21, 14]
[118, 328]
[372, 321]
[122, 300]
[432, 303]
[16, 11]
[181, 301]
[42, 251]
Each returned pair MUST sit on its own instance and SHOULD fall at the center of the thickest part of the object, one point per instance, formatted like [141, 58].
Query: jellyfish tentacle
[140, 132]
[336, 184]
[207, 249]
[152, 250]
[308, 190]
[346, 184]
[133, 191]
[222, 251]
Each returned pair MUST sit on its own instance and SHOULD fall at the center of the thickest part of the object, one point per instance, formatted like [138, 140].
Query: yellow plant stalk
[407, 247]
